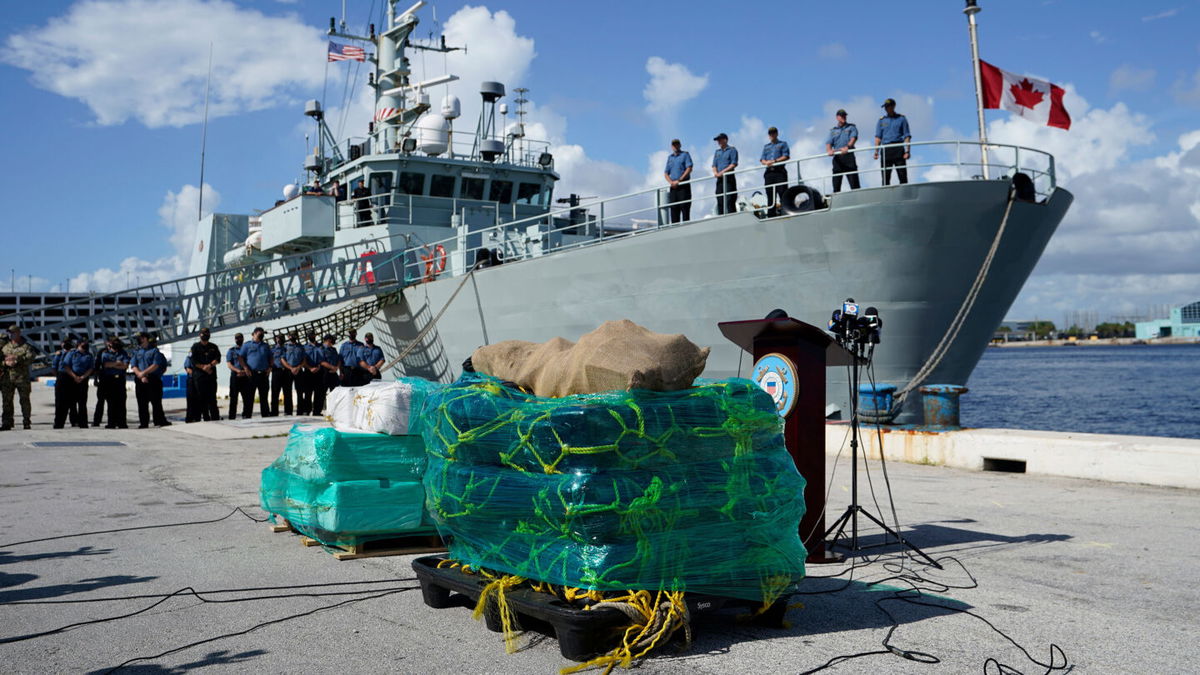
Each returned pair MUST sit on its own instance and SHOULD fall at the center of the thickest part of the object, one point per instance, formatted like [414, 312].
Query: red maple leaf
[1025, 94]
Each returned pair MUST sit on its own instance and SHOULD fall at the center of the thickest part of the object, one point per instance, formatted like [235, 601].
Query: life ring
[435, 261]
[801, 199]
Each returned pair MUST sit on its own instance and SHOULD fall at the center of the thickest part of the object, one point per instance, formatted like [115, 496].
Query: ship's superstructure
[439, 238]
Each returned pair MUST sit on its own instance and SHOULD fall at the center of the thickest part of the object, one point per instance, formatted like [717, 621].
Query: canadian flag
[1036, 100]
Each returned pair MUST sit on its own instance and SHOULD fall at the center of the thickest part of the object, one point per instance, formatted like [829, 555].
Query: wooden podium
[790, 358]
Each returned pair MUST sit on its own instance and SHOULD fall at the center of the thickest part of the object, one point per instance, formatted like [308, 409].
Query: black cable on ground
[249, 589]
[137, 527]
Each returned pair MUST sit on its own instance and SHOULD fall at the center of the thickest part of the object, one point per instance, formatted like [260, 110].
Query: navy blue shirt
[370, 354]
[839, 137]
[725, 157]
[257, 355]
[231, 356]
[78, 362]
[330, 355]
[110, 355]
[776, 150]
[143, 358]
[349, 352]
[295, 354]
[56, 362]
[276, 355]
[677, 163]
[312, 352]
[892, 129]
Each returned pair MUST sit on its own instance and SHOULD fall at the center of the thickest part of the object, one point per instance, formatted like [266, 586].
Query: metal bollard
[875, 403]
[941, 405]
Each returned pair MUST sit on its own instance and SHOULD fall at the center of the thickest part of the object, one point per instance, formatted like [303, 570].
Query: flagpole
[971, 10]
[204, 135]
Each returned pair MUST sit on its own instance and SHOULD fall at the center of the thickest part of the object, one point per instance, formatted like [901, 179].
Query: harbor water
[1142, 390]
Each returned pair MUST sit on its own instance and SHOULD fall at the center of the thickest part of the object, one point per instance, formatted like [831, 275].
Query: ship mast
[971, 10]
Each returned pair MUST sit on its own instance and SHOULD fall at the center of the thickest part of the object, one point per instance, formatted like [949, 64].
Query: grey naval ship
[439, 239]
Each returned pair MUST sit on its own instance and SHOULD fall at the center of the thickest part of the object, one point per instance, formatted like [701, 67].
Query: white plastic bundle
[380, 407]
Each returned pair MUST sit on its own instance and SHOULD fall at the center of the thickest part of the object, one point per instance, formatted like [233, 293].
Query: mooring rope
[939, 352]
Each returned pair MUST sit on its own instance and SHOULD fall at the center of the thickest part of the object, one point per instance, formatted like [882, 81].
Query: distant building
[1183, 322]
[50, 308]
[1015, 330]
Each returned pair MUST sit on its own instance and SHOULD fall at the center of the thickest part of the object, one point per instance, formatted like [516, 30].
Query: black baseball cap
[887, 102]
[842, 111]
[720, 136]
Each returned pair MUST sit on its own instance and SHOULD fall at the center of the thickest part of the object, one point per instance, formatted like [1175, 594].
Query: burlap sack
[619, 355]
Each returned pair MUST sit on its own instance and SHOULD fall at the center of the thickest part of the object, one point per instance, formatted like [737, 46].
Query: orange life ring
[435, 261]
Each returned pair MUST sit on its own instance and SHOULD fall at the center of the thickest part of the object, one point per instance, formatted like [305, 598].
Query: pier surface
[1103, 570]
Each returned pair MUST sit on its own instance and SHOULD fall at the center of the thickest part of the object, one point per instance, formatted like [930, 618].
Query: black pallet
[582, 634]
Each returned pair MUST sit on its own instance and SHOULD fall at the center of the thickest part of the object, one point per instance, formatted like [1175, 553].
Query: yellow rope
[508, 619]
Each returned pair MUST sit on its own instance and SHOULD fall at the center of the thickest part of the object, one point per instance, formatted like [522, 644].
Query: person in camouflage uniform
[14, 376]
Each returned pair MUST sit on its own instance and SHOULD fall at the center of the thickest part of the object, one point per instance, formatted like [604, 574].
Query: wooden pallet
[282, 526]
[375, 548]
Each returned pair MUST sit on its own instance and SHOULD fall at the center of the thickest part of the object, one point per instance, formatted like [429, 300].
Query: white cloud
[1161, 15]
[178, 215]
[1131, 78]
[147, 60]
[1187, 89]
[1098, 37]
[670, 86]
[833, 51]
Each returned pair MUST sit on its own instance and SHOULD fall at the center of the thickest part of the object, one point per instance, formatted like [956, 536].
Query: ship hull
[911, 251]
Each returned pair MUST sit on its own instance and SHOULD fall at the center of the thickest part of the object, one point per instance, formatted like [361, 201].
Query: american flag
[385, 113]
[339, 52]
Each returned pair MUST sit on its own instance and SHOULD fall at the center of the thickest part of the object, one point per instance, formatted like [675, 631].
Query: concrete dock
[1105, 571]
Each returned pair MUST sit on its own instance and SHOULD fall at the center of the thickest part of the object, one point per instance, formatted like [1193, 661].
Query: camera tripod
[849, 518]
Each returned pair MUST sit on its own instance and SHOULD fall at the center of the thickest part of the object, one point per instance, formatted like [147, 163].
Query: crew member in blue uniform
[725, 160]
[98, 413]
[319, 367]
[679, 174]
[349, 358]
[239, 378]
[192, 411]
[310, 374]
[775, 176]
[62, 386]
[891, 129]
[78, 365]
[114, 361]
[839, 145]
[331, 363]
[148, 365]
[370, 360]
[255, 356]
[206, 357]
[295, 359]
[281, 379]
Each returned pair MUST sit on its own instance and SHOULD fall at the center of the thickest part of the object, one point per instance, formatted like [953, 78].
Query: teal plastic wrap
[345, 488]
[690, 490]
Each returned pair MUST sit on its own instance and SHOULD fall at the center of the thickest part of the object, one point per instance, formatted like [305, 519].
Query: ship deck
[1096, 568]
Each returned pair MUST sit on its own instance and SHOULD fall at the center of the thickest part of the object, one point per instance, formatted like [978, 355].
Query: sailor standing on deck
[239, 378]
[775, 177]
[205, 359]
[839, 144]
[148, 364]
[370, 360]
[678, 174]
[294, 360]
[255, 357]
[62, 385]
[892, 128]
[349, 359]
[725, 160]
[114, 361]
[281, 379]
[79, 365]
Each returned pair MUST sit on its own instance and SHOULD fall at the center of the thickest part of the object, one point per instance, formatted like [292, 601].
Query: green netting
[690, 490]
[345, 488]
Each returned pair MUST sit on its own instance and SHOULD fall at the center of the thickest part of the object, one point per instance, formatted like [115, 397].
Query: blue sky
[102, 102]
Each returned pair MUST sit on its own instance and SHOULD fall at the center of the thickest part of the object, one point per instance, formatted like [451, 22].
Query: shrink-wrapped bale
[381, 407]
[343, 488]
[690, 490]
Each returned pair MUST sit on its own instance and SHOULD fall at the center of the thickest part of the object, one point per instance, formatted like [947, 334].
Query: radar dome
[433, 134]
[451, 108]
[290, 190]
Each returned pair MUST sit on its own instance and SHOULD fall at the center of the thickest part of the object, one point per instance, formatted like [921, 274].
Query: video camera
[852, 327]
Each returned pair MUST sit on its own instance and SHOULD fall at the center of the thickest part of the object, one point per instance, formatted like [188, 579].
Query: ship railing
[462, 145]
[177, 309]
[396, 209]
[636, 213]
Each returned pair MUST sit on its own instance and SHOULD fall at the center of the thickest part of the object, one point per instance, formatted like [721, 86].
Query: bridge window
[501, 191]
[529, 193]
[411, 183]
[472, 188]
[442, 186]
[381, 183]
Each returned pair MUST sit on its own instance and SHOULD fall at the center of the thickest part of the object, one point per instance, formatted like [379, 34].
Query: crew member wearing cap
[331, 362]
[349, 358]
[370, 360]
[255, 356]
[678, 173]
[16, 355]
[78, 365]
[892, 130]
[205, 358]
[62, 385]
[148, 364]
[839, 144]
[725, 160]
[281, 378]
[323, 362]
[114, 361]
[239, 377]
[775, 177]
[295, 359]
